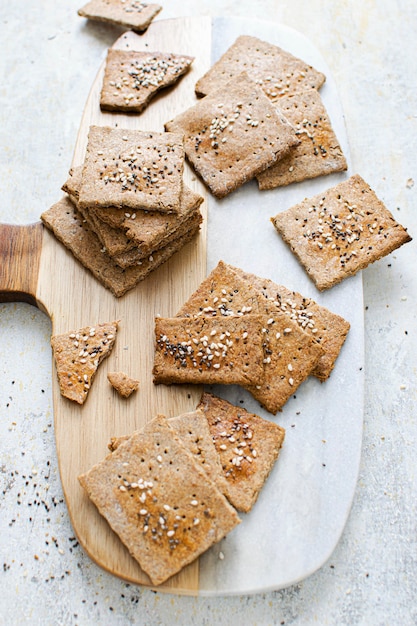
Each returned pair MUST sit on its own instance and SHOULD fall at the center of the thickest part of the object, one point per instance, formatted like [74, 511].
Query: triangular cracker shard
[77, 356]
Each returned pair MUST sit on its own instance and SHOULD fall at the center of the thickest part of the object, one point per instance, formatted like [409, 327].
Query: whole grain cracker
[130, 14]
[70, 229]
[328, 329]
[132, 169]
[132, 77]
[78, 354]
[275, 70]
[248, 446]
[124, 385]
[340, 231]
[205, 351]
[159, 500]
[319, 152]
[233, 134]
[290, 354]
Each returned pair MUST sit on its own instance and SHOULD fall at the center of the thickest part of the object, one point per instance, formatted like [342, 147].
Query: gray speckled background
[49, 59]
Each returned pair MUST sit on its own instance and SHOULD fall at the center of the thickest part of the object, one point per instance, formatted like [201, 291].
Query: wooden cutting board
[302, 510]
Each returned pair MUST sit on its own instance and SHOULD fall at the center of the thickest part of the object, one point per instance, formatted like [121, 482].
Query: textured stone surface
[369, 580]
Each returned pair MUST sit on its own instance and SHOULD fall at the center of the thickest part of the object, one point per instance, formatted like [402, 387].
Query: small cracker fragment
[132, 78]
[319, 152]
[340, 231]
[207, 351]
[159, 500]
[124, 385]
[327, 328]
[77, 354]
[248, 446]
[71, 230]
[290, 354]
[233, 134]
[127, 13]
[132, 169]
[275, 70]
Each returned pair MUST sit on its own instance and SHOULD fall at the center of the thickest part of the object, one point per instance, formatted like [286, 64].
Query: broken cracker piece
[159, 500]
[78, 354]
[127, 13]
[132, 77]
[340, 231]
[122, 383]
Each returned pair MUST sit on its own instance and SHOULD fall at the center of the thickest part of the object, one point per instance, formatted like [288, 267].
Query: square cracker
[290, 354]
[143, 230]
[193, 430]
[319, 152]
[132, 169]
[77, 354]
[159, 500]
[275, 70]
[127, 13]
[68, 226]
[340, 231]
[248, 446]
[233, 134]
[132, 78]
[208, 351]
[327, 328]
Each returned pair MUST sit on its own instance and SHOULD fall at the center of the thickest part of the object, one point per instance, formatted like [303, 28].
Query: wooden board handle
[20, 252]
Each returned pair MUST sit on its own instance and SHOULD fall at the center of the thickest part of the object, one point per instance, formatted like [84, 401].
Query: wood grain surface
[73, 299]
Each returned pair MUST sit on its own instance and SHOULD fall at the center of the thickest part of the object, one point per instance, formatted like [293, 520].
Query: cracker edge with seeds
[118, 95]
[75, 357]
[319, 152]
[251, 463]
[205, 515]
[326, 267]
[101, 11]
[249, 53]
[226, 163]
[238, 361]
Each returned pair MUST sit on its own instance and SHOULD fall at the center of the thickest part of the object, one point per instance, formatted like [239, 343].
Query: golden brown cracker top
[127, 13]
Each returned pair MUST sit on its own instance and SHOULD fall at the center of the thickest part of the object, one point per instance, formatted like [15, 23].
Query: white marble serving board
[301, 512]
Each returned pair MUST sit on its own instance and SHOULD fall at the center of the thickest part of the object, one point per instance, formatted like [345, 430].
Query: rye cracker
[275, 70]
[68, 226]
[124, 385]
[127, 13]
[233, 134]
[132, 78]
[159, 500]
[78, 354]
[290, 354]
[319, 152]
[132, 169]
[208, 351]
[340, 231]
[248, 447]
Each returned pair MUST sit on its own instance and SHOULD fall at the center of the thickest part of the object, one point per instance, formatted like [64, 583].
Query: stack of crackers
[238, 328]
[171, 490]
[127, 209]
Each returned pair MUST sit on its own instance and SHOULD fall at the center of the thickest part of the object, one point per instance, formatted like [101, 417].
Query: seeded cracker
[276, 71]
[159, 501]
[340, 231]
[248, 446]
[132, 78]
[70, 229]
[319, 152]
[208, 351]
[132, 169]
[233, 134]
[124, 385]
[77, 356]
[289, 353]
[328, 329]
[127, 13]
